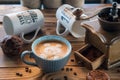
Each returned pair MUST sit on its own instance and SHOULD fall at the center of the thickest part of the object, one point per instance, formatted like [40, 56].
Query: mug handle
[30, 40]
[25, 61]
[58, 29]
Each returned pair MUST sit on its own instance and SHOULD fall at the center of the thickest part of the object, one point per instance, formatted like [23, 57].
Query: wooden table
[9, 66]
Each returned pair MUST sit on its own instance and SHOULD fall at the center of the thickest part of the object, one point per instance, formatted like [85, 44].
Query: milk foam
[51, 52]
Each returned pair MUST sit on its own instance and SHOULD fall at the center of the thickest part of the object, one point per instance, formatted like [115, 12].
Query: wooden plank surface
[9, 67]
[10, 9]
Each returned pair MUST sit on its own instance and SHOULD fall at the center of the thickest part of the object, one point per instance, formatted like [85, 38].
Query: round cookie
[11, 45]
[97, 75]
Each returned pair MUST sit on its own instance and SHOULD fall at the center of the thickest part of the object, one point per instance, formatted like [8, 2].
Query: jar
[33, 4]
[52, 3]
[75, 3]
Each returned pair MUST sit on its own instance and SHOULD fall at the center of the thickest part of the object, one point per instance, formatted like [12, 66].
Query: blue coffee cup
[45, 64]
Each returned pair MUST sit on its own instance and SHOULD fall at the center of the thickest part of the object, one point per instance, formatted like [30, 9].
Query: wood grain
[9, 66]
[10, 9]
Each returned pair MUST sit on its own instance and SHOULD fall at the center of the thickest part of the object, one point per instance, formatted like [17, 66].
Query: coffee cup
[51, 53]
[67, 19]
[24, 22]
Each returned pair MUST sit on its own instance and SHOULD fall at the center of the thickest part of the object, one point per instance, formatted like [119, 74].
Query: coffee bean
[72, 60]
[67, 69]
[65, 78]
[26, 68]
[17, 74]
[21, 75]
[75, 73]
[71, 69]
[30, 70]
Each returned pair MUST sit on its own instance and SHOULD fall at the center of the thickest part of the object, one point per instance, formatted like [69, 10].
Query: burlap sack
[75, 3]
[34, 4]
[52, 3]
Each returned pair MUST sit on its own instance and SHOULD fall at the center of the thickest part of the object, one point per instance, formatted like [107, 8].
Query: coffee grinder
[102, 46]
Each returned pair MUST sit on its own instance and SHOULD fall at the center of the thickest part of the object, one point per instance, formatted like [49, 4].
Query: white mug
[67, 19]
[24, 22]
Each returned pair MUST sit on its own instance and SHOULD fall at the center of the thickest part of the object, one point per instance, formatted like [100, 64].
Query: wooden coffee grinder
[101, 47]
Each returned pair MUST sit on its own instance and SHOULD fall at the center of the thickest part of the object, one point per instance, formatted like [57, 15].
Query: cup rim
[47, 36]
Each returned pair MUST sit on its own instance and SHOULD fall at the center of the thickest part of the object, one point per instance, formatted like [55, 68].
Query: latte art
[51, 50]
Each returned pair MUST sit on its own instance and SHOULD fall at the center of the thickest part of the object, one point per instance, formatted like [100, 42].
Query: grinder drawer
[90, 56]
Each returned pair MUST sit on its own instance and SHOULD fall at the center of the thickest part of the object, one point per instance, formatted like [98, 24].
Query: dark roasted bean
[19, 74]
[30, 70]
[27, 68]
[71, 69]
[72, 60]
[65, 78]
[67, 69]
[75, 73]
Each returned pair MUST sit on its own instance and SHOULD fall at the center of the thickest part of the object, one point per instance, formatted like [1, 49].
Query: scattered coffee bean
[67, 69]
[72, 60]
[75, 73]
[71, 69]
[17, 74]
[26, 70]
[20, 75]
[30, 70]
[65, 78]
[62, 69]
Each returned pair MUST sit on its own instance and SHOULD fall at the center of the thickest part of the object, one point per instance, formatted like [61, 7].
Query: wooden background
[9, 66]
